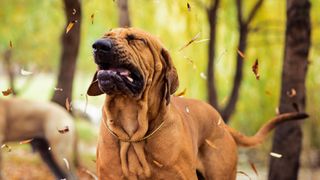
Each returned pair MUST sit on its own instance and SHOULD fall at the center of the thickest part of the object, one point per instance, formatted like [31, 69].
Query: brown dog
[147, 134]
[22, 119]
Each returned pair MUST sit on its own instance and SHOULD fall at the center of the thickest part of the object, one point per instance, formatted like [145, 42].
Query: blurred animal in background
[47, 127]
[146, 133]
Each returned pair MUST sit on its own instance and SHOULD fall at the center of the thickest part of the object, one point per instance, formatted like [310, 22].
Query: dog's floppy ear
[171, 76]
[94, 89]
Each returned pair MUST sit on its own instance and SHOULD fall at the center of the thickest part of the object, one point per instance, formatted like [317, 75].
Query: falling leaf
[268, 93]
[243, 173]
[276, 155]
[157, 163]
[190, 42]
[70, 25]
[74, 11]
[86, 104]
[68, 105]
[6, 146]
[255, 69]
[10, 44]
[182, 93]
[90, 173]
[92, 18]
[203, 76]
[67, 163]
[189, 7]
[295, 106]
[219, 121]
[291, 93]
[201, 40]
[25, 73]
[191, 62]
[240, 54]
[187, 109]
[253, 168]
[26, 141]
[58, 89]
[221, 56]
[64, 130]
[7, 92]
[211, 144]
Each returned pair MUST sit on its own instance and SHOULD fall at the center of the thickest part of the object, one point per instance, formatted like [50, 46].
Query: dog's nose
[103, 45]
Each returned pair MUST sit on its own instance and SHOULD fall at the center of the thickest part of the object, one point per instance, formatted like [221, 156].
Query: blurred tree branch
[124, 15]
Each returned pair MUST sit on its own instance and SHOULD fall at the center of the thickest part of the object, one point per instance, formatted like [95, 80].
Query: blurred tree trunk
[10, 70]
[70, 46]
[288, 137]
[124, 15]
[211, 87]
[243, 25]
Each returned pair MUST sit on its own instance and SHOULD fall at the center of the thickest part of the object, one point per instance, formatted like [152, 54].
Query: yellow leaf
[70, 25]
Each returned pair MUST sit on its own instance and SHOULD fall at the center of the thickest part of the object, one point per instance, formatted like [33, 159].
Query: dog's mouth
[119, 78]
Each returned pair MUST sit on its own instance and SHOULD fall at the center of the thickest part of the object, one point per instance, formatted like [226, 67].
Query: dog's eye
[130, 37]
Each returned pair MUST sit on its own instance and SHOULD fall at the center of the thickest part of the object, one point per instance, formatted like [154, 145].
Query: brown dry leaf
[276, 155]
[189, 7]
[241, 172]
[92, 18]
[26, 141]
[182, 93]
[68, 105]
[10, 44]
[67, 163]
[240, 53]
[6, 146]
[7, 92]
[255, 69]
[70, 25]
[211, 144]
[74, 11]
[292, 93]
[190, 42]
[64, 130]
[254, 168]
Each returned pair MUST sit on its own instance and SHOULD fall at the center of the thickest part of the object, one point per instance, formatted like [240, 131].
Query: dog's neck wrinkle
[127, 119]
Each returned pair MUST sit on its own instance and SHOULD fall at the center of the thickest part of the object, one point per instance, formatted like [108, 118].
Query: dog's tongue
[121, 71]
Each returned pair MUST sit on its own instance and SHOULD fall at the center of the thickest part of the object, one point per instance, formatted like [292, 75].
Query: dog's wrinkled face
[118, 62]
[126, 59]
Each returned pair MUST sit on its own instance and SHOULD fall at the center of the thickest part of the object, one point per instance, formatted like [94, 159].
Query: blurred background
[37, 37]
